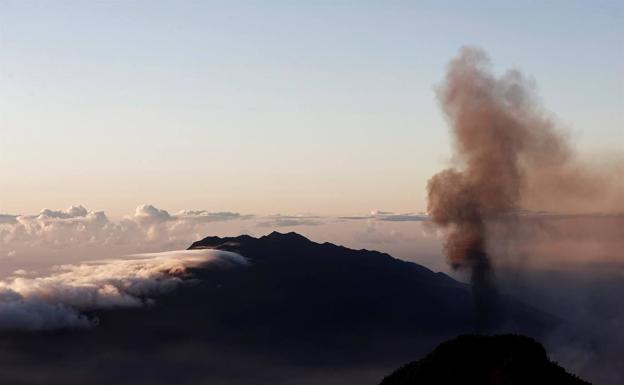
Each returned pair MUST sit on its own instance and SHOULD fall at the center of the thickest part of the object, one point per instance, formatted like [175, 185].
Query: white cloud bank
[78, 226]
[148, 228]
[57, 300]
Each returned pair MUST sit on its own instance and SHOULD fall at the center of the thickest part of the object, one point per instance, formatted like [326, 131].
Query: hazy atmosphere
[141, 141]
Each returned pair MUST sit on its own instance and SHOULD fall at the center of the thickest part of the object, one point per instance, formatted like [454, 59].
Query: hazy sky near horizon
[273, 107]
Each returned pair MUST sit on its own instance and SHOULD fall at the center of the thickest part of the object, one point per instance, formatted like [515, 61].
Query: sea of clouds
[58, 299]
[77, 225]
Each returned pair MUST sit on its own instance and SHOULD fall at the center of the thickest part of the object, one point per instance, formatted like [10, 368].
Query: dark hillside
[484, 360]
[301, 312]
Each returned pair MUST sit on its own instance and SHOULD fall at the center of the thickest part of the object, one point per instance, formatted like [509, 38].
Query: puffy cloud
[71, 212]
[147, 228]
[206, 216]
[55, 228]
[57, 300]
[78, 226]
[149, 213]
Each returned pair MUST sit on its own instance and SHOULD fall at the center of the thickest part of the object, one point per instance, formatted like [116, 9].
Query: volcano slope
[301, 312]
[484, 360]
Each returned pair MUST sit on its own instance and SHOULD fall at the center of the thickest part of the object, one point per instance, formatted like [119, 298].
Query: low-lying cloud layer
[78, 234]
[78, 230]
[388, 216]
[57, 300]
[276, 221]
[79, 226]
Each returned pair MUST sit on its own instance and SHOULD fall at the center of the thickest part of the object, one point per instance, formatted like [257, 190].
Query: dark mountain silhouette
[357, 287]
[302, 312]
[485, 360]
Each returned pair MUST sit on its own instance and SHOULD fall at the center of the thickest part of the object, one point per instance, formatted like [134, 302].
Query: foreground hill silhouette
[302, 312]
[484, 360]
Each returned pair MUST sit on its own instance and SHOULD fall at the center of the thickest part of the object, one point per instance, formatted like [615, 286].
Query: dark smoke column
[499, 134]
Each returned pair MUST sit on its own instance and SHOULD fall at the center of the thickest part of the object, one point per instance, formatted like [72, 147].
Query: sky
[134, 127]
[270, 107]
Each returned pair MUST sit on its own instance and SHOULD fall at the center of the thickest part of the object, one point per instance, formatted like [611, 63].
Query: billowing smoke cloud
[510, 155]
[58, 299]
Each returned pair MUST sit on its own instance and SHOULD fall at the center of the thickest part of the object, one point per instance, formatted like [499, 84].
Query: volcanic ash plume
[501, 138]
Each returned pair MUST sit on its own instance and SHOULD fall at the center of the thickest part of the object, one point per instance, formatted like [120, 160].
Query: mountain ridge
[300, 310]
[289, 240]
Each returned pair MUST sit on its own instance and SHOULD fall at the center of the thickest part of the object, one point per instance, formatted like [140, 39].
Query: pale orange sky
[262, 109]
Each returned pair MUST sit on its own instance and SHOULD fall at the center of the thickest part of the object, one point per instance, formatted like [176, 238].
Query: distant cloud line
[77, 225]
[153, 226]
[148, 224]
